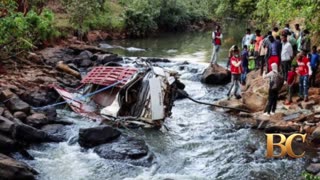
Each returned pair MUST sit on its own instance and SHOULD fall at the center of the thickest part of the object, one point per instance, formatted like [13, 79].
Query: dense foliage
[23, 29]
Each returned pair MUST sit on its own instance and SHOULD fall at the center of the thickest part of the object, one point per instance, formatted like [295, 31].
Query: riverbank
[298, 117]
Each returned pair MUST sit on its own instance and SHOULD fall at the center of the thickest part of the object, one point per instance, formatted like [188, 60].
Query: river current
[199, 143]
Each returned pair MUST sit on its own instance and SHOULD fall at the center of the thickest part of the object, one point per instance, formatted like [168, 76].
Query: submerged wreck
[135, 96]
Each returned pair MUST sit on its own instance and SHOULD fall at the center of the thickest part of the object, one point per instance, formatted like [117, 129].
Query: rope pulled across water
[184, 94]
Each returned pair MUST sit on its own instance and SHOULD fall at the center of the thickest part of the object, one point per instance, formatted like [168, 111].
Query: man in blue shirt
[314, 62]
[244, 64]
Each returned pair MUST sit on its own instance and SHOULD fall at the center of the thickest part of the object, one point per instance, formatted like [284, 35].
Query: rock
[107, 58]
[6, 126]
[57, 130]
[1, 111]
[135, 151]
[281, 127]
[37, 120]
[20, 115]
[11, 169]
[35, 58]
[7, 144]
[97, 135]
[85, 55]
[245, 115]
[41, 97]
[313, 168]
[216, 74]
[86, 63]
[315, 136]
[308, 105]
[233, 103]
[313, 91]
[29, 134]
[5, 95]
[15, 104]
[7, 114]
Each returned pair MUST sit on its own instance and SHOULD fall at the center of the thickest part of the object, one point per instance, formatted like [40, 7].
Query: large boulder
[134, 151]
[15, 104]
[216, 74]
[97, 135]
[6, 126]
[57, 130]
[313, 168]
[37, 120]
[29, 134]
[315, 136]
[11, 169]
[7, 144]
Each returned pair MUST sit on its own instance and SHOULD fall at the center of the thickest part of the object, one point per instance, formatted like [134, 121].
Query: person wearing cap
[304, 70]
[216, 42]
[286, 55]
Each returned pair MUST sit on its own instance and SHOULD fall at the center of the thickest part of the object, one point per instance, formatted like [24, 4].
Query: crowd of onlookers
[282, 55]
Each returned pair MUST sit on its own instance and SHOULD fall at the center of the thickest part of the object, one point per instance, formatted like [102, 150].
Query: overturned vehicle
[137, 96]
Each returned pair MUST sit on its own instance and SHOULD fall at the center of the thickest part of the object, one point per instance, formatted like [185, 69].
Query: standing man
[257, 45]
[304, 71]
[216, 42]
[306, 42]
[286, 56]
[274, 53]
[246, 40]
[235, 63]
[297, 31]
[314, 66]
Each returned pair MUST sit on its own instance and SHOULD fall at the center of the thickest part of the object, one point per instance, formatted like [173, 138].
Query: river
[199, 144]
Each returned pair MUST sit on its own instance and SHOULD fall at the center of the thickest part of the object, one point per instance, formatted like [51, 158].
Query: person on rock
[274, 76]
[274, 53]
[244, 64]
[291, 80]
[247, 38]
[286, 56]
[263, 51]
[216, 42]
[305, 42]
[230, 54]
[314, 66]
[304, 70]
[235, 63]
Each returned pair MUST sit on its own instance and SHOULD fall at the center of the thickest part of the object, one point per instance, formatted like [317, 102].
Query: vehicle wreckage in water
[140, 95]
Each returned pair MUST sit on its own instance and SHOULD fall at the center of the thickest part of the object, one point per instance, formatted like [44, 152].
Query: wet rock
[313, 168]
[40, 98]
[11, 169]
[97, 135]
[1, 110]
[15, 104]
[126, 148]
[157, 60]
[308, 105]
[233, 103]
[107, 58]
[216, 74]
[20, 115]
[37, 120]
[29, 134]
[315, 136]
[57, 130]
[85, 55]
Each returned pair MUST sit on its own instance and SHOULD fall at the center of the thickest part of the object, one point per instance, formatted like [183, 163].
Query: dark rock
[15, 104]
[29, 134]
[86, 63]
[11, 169]
[308, 105]
[156, 60]
[135, 151]
[1, 110]
[97, 135]
[41, 97]
[315, 136]
[8, 114]
[7, 144]
[37, 120]
[35, 58]
[106, 58]
[5, 95]
[57, 130]
[274, 128]
[6, 126]
[85, 55]
[216, 74]
[20, 115]
[313, 168]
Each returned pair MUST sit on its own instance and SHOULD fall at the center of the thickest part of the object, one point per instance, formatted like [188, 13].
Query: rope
[86, 96]
[184, 94]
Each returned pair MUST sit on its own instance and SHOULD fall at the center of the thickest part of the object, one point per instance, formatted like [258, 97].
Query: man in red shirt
[304, 71]
[291, 80]
[235, 63]
[216, 42]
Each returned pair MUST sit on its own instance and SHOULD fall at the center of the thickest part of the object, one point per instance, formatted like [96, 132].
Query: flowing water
[199, 143]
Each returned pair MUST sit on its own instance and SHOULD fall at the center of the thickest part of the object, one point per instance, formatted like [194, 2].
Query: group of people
[281, 55]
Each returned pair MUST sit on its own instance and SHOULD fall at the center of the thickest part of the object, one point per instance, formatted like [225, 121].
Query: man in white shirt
[286, 56]
[248, 37]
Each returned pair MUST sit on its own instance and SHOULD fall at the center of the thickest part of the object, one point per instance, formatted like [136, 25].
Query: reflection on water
[194, 46]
